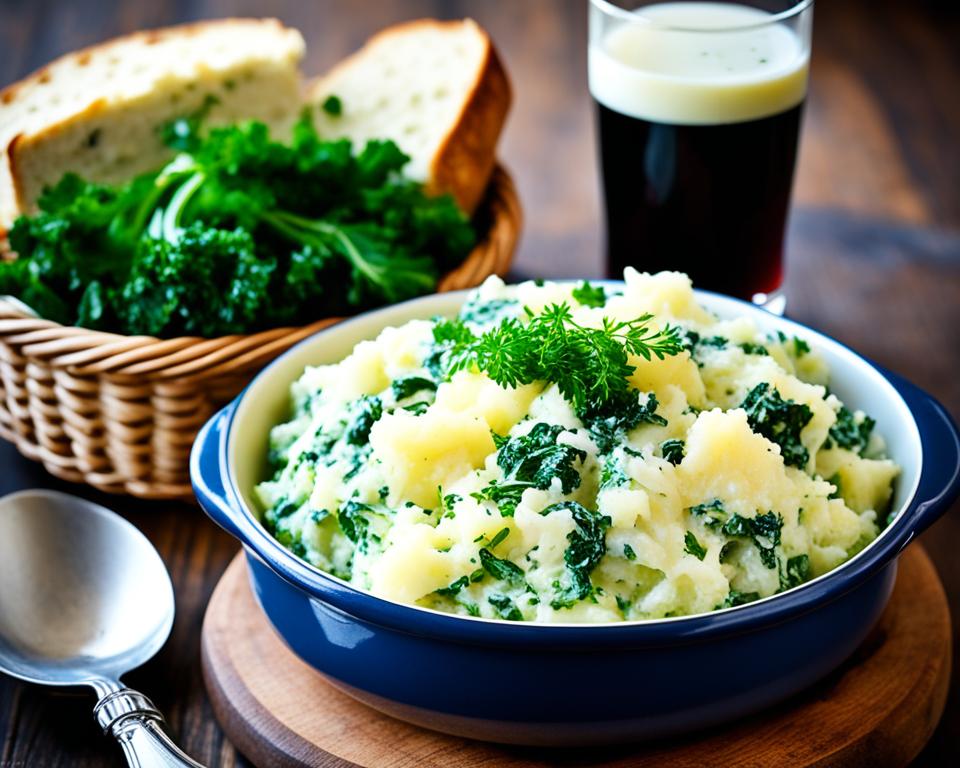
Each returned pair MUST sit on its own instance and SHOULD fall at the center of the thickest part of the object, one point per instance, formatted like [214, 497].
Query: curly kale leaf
[357, 519]
[362, 415]
[796, 572]
[609, 423]
[848, 433]
[672, 450]
[532, 461]
[280, 233]
[505, 607]
[587, 544]
[537, 458]
[763, 530]
[692, 546]
[206, 282]
[780, 421]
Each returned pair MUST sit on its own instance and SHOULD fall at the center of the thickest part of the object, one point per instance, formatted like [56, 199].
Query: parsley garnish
[628, 552]
[332, 105]
[780, 421]
[590, 295]
[590, 366]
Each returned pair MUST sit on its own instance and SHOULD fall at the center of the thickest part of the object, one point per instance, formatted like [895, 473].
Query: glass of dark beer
[699, 107]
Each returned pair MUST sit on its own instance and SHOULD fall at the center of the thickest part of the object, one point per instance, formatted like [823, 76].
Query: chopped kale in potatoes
[557, 455]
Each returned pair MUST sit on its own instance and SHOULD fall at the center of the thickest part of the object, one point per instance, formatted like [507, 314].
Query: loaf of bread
[98, 112]
[437, 88]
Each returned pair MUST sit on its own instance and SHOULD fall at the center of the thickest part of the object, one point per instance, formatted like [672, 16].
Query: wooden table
[874, 258]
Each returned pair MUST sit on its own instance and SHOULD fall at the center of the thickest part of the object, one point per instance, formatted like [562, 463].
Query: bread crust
[146, 36]
[464, 161]
[14, 140]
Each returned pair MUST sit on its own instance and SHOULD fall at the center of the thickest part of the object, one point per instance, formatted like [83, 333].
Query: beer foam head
[698, 63]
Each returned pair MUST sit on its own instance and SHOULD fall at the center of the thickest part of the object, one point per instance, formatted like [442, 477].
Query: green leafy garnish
[332, 105]
[628, 552]
[590, 295]
[590, 366]
[609, 423]
[361, 416]
[780, 421]
[236, 234]
[712, 512]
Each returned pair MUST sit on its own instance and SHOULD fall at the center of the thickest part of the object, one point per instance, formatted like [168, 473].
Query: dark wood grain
[875, 711]
[874, 256]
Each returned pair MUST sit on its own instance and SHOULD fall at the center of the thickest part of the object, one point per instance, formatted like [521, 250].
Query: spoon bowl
[84, 598]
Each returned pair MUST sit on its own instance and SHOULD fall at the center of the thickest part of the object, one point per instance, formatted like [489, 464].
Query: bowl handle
[206, 472]
[940, 474]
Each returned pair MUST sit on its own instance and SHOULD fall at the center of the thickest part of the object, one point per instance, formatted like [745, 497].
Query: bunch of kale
[238, 233]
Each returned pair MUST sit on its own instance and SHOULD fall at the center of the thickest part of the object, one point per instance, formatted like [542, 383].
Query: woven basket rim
[86, 349]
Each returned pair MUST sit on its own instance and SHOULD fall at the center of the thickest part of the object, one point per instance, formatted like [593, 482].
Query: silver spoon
[85, 598]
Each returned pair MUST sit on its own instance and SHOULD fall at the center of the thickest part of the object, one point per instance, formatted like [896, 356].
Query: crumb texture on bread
[437, 89]
[97, 112]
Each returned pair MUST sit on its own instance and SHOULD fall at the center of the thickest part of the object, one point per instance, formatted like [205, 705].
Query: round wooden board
[879, 709]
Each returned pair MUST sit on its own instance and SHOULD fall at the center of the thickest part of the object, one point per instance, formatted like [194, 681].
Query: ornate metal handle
[133, 720]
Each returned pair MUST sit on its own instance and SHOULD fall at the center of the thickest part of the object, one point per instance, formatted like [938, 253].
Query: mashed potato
[730, 474]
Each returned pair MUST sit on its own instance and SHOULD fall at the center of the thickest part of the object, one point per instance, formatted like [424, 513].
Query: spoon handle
[133, 720]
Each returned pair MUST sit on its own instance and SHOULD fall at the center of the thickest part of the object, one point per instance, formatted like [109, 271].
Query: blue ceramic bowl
[573, 684]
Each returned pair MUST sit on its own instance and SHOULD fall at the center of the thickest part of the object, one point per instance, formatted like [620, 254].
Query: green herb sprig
[590, 366]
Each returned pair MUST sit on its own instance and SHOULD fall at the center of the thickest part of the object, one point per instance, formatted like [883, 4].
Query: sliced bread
[97, 112]
[437, 88]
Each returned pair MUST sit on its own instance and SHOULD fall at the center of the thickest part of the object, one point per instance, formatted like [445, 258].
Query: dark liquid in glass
[708, 200]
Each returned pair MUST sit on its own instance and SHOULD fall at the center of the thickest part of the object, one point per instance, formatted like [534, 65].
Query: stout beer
[699, 107]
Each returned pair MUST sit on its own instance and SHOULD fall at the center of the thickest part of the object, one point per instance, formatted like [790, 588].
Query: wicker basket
[121, 412]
